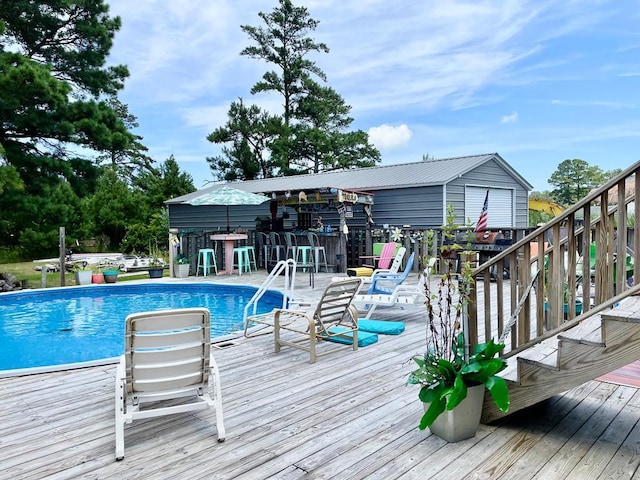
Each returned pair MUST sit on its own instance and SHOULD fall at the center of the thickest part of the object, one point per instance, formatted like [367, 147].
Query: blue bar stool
[206, 261]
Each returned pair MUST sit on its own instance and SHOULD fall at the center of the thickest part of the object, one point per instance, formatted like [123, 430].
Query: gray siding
[213, 218]
[417, 206]
[205, 217]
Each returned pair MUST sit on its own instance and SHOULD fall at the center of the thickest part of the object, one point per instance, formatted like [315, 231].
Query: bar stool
[265, 248]
[276, 247]
[292, 245]
[303, 253]
[206, 260]
[241, 259]
[317, 250]
[251, 255]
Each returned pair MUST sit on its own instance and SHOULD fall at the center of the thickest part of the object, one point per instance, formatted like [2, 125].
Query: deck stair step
[598, 345]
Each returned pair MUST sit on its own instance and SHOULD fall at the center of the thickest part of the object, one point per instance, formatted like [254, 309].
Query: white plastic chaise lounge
[167, 356]
[334, 320]
[401, 296]
[398, 294]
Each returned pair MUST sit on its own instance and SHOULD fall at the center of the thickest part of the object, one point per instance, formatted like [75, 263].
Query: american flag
[481, 226]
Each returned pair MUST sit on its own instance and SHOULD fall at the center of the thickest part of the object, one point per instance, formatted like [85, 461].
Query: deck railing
[575, 265]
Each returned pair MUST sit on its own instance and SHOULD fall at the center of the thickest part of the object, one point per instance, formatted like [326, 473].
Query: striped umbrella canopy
[227, 196]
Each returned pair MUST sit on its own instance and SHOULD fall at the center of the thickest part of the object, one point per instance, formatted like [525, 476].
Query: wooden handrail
[540, 316]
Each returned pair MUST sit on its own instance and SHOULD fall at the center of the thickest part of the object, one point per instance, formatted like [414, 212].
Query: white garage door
[500, 212]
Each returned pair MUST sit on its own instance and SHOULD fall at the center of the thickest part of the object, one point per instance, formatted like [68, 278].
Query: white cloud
[438, 69]
[511, 118]
[386, 137]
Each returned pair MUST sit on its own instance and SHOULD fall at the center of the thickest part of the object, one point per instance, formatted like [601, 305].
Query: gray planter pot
[181, 270]
[83, 277]
[462, 422]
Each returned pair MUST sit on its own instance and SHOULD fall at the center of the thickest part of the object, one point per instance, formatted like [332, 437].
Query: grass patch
[27, 271]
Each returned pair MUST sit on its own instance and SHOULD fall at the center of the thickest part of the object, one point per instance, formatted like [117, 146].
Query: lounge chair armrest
[386, 276]
[381, 271]
[290, 315]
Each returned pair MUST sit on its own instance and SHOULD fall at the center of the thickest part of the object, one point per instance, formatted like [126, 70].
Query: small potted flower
[97, 277]
[110, 275]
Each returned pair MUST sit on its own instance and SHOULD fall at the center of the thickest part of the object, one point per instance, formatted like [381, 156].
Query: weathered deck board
[349, 415]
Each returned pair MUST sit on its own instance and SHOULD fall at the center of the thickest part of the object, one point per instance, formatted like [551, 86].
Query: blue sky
[535, 81]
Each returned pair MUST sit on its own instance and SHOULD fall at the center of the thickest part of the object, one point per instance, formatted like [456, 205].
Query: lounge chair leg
[217, 399]
[119, 418]
[312, 342]
[276, 331]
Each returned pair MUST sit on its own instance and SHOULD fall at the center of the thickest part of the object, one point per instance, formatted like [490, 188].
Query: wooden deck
[348, 416]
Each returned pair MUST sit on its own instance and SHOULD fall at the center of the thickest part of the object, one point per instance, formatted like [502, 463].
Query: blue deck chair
[386, 282]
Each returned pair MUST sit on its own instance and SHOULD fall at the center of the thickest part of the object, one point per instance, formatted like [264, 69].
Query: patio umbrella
[228, 196]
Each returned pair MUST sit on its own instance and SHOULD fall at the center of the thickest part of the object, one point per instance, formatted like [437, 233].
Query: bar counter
[334, 244]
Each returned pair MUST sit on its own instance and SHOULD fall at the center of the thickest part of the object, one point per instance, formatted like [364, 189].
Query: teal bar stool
[303, 253]
[251, 253]
[206, 261]
[241, 259]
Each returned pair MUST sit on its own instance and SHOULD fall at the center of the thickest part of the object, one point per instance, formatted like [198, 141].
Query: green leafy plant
[446, 369]
[81, 266]
[445, 376]
[156, 258]
[181, 260]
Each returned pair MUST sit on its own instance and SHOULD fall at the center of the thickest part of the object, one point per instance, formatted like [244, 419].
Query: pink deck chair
[386, 256]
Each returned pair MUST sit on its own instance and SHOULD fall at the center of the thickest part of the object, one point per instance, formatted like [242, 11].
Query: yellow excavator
[546, 206]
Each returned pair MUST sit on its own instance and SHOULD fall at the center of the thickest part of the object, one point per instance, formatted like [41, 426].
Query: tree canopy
[67, 157]
[573, 179]
[311, 133]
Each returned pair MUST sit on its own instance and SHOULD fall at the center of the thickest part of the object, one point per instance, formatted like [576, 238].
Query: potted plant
[452, 387]
[565, 296]
[97, 277]
[82, 273]
[181, 267]
[156, 263]
[453, 380]
[110, 275]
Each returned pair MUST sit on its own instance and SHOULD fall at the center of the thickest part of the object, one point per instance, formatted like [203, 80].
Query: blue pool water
[69, 325]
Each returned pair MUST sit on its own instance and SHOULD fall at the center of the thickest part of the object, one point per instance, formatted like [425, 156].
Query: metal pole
[63, 252]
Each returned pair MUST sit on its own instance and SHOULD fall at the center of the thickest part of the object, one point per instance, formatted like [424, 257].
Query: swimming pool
[62, 326]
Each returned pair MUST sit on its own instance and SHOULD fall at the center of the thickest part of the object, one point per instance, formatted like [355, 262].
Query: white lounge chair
[401, 296]
[167, 356]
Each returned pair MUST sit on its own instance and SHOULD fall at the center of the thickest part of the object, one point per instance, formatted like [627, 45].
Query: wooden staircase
[595, 346]
[548, 351]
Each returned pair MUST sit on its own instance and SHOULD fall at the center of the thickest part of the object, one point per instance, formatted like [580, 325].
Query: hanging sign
[347, 197]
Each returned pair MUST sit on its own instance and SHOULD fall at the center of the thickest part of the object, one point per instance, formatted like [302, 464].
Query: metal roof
[416, 174]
